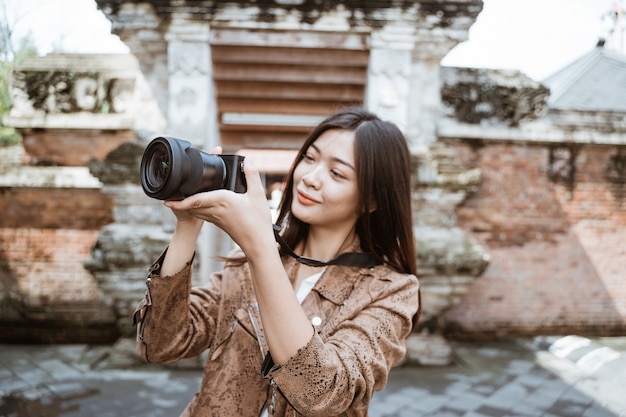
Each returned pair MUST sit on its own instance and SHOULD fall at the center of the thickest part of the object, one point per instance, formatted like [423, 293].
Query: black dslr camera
[171, 169]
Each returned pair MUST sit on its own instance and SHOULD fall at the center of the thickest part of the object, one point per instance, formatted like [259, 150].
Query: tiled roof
[594, 82]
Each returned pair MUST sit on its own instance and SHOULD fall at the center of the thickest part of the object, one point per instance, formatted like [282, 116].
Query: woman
[288, 334]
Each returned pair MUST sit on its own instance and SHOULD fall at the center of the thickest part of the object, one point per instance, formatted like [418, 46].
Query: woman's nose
[311, 178]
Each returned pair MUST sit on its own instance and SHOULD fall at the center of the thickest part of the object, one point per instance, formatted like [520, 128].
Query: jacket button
[316, 321]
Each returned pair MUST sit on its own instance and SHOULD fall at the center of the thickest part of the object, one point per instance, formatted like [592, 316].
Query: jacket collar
[337, 282]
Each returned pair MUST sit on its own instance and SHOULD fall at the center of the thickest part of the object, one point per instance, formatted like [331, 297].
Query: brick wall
[46, 294]
[55, 208]
[71, 147]
[45, 265]
[553, 220]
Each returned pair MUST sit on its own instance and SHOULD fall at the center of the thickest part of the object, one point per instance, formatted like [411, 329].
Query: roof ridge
[562, 80]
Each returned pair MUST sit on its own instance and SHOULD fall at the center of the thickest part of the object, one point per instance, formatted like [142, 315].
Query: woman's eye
[337, 174]
[307, 157]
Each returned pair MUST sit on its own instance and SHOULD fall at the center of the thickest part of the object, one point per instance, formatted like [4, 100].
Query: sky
[536, 37]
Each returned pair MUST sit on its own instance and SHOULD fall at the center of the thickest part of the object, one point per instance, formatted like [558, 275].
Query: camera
[171, 169]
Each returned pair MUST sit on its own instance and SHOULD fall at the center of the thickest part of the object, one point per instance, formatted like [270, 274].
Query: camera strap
[360, 259]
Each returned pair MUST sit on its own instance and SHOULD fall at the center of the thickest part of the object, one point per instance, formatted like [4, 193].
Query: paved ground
[549, 377]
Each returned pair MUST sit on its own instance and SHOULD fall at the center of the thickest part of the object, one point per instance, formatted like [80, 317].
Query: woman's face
[325, 184]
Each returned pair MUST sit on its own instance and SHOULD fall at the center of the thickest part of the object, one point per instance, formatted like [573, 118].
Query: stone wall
[70, 147]
[549, 210]
[557, 248]
[518, 210]
[449, 261]
[51, 220]
[514, 237]
[72, 110]
[120, 258]
[46, 207]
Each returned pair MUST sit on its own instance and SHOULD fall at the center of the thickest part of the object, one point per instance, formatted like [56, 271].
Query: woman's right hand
[245, 217]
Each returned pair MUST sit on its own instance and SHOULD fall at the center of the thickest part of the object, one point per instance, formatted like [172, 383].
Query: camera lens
[158, 167]
[171, 169]
[165, 168]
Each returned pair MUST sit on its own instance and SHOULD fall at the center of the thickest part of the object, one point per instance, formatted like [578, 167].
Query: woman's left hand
[245, 217]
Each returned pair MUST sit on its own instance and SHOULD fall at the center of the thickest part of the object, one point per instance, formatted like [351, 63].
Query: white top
[307, 285]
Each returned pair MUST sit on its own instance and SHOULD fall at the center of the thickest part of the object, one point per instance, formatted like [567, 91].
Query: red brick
[558, 251]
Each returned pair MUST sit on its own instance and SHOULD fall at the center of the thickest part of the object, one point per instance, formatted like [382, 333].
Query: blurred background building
[518, 184]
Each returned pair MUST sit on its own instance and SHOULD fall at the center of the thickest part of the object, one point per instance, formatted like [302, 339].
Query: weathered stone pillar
[388, 74]
[431, 46]
[403, 74]
[192, 110]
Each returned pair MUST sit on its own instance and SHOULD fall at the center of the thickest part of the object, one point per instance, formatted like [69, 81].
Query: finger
[173, 204]
[195, 201]
[253, 178]
[217, 150]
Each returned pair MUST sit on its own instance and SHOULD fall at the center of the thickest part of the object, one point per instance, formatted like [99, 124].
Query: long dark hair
[382, 159]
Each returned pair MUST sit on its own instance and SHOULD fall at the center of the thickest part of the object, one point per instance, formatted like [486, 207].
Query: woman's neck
[324, 244]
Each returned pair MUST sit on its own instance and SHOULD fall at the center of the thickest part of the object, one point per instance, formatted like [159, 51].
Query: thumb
[253, 178]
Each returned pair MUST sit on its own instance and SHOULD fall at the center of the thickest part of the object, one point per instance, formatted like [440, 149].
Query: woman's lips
[306, 199]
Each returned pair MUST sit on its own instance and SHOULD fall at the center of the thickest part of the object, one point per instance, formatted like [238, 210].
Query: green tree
[13, 52]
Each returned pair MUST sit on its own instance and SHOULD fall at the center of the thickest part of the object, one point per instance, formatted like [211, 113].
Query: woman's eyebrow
[334, 159]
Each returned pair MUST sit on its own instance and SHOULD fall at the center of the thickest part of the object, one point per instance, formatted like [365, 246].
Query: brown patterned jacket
[362, 318]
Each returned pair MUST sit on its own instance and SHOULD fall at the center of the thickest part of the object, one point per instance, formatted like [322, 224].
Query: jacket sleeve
[175, 321]
[339, 372]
